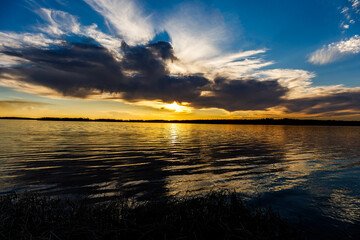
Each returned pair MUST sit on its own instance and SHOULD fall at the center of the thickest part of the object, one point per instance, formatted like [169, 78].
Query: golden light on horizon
[177, 108]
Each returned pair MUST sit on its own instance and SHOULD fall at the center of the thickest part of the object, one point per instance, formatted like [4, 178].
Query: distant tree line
[265, 121]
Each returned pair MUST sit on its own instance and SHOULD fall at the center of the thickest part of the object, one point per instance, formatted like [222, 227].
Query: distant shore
[266, 121]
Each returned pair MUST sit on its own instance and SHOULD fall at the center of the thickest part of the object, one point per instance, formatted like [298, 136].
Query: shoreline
[267, 121]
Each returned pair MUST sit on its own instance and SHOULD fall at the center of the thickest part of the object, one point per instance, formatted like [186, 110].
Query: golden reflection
[174, 132]
[292, 155]
[344, 206]
[179, 185]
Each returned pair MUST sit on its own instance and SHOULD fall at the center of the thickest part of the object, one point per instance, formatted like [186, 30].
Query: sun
[176, 107]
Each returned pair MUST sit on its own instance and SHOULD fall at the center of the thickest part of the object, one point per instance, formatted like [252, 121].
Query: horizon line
[262, 121]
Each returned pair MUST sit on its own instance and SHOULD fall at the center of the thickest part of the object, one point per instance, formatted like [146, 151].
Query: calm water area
[309, 174]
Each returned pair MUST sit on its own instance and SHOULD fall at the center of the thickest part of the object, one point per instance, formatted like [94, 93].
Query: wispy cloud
[21, 40]
[58, 22]
[128, 20]
[336, 51]
[198, 36]
[351, 12]
[355, 3]
[235, 65]
[296, 80]
[111, 43]
[9, 61]
[10, 105]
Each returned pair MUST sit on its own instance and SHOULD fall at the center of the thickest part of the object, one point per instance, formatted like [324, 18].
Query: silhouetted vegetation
[212, 216]
[18, 118]
[266, 121]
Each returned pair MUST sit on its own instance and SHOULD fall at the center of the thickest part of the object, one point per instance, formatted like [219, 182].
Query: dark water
[307, 173]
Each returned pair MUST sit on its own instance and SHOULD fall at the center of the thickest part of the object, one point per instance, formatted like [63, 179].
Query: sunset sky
[164, 59]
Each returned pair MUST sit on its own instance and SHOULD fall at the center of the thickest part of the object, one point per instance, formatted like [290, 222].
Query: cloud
[58, 22]
[8, 61]
[234, 65]
[87, 70]
[121, 114]
[355, 3]
[241, 94]
[126, 18]
[190, 72]
[112, 44]
[350, 11]
[83, 70]
[196, 34]
[73, 70]
[57, 25]
[343, 103]
[10, 105]
[297, 81]
[336, 51]
[21, 40]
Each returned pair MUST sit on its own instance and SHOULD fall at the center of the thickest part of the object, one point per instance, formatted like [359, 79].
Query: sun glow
[177, 108]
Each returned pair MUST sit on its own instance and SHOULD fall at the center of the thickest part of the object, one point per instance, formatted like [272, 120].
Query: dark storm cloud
[73, 69]
[167, 88]
[244, 94]
[163, 50]
[150, 79]
[143, 61]
[331, 104]
[82, 69]
[79, 70]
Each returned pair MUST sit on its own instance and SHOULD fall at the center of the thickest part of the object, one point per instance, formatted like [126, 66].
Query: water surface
[310, 173]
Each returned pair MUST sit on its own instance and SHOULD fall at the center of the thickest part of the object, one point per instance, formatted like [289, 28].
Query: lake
[309, 174]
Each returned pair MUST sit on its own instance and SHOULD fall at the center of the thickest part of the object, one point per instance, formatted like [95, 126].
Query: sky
[138, 59]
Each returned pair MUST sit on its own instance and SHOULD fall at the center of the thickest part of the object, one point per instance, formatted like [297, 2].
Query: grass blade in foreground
[219, 215]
